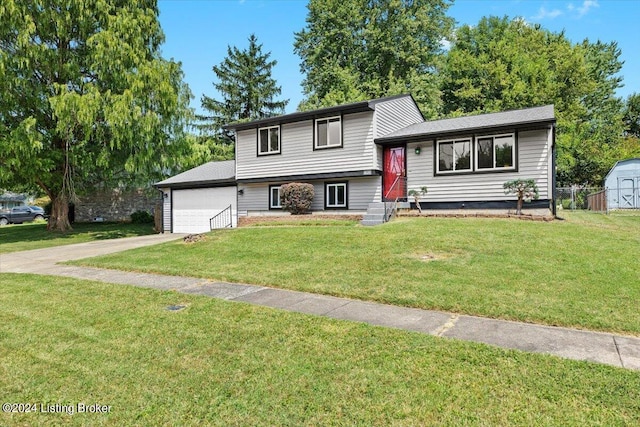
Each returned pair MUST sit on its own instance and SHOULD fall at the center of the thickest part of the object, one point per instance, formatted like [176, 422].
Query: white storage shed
[623, 185]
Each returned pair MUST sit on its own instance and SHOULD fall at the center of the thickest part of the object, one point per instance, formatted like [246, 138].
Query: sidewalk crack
[618, 350]
[447, 326]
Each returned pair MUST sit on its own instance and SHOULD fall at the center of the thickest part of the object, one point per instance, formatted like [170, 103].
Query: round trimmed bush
[296, 197]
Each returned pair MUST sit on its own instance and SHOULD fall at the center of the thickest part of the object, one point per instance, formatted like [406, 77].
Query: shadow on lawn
[37, 231]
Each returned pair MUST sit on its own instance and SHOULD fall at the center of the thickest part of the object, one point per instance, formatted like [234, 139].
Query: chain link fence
[597, 199]
[574, 198]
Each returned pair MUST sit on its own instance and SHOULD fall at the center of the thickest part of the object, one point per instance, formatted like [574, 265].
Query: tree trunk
[417, 200]
[59, 219]
[519, 205]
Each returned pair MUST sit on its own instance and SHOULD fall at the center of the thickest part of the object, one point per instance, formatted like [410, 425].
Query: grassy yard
[68, 341]
[22, 237]
[581, 272]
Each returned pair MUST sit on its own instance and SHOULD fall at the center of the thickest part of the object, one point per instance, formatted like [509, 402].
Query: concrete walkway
[610, 349]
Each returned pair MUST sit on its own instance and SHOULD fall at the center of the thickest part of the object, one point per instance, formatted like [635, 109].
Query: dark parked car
[21, 214]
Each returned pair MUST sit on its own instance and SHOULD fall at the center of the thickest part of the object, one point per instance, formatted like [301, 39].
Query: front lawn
[22, 237]
[67, 341]
[582, 272]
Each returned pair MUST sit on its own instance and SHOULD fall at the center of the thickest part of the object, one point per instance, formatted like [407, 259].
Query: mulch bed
[251, 220]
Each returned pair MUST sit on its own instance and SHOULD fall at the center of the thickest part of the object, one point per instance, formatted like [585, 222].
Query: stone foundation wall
[115, 205]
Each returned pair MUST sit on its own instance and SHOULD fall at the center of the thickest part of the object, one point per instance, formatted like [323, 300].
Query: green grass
[581, 272]
[22, 237]
[67, 341]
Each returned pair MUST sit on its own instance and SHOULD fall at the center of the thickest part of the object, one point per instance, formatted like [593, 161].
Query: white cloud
[544, 13]
[587, 5]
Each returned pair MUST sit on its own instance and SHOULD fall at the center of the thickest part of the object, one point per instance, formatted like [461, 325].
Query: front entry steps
[375, 214]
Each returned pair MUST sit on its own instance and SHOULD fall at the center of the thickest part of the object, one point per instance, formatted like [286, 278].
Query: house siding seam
[360, 192]
[533, 157]
[297, 155]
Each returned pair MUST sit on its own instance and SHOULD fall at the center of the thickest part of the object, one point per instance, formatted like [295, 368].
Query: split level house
[365, 153]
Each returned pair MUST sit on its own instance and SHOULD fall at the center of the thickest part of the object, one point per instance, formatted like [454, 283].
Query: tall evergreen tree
[247, 91]
[353, 50]
[86, 97]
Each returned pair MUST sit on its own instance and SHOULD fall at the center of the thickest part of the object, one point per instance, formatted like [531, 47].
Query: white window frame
[270, 151]
[335, 185]
[468, 140]
[493, 152]
[330, 143]
[271, 201]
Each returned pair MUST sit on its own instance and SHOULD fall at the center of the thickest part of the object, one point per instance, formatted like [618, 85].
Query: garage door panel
[193, 208]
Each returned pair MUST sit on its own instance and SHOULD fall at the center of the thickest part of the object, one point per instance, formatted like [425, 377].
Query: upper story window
[495, 152]
[454, 155]
[328, 133]
[269, 140]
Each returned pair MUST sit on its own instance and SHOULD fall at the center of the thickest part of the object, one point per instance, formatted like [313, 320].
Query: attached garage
[623, 185]
[193, 198]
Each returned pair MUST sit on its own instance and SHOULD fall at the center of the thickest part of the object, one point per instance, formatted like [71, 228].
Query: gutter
[553, 170]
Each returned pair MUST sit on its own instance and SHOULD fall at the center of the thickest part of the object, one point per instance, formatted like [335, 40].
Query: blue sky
[199, 31]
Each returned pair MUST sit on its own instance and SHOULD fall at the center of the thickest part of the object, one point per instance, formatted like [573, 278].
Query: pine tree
[247, 91]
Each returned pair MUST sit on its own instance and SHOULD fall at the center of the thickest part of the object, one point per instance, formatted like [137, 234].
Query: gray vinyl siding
[166, 210]
[360, 192]
[395, 114]
[297, 156]
[533, 157]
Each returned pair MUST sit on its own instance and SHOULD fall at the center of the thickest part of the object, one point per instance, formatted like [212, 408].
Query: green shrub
[296, 197]
[141, 217]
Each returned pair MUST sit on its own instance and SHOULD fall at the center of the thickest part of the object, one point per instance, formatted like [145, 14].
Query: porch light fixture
[418, 149]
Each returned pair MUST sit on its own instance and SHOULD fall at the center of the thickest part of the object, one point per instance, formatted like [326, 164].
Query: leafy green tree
[247, 90]
[86, 97]
[353, 50]
[205, 149]
[503, 64]
[631, 115]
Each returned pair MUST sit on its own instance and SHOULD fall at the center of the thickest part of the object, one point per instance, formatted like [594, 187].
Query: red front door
[394, 183]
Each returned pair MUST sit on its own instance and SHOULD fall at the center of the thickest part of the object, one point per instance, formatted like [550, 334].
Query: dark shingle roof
[354, 107]
[544, 114]
[223, 172]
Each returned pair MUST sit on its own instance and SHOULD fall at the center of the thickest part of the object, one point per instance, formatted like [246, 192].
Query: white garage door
[192, 209]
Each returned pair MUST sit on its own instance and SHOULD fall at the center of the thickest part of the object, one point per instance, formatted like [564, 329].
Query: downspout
[553, 170]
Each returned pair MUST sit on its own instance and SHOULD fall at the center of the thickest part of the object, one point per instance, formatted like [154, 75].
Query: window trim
[470, 140]
[271, 205]
[335, 184]
[514, 155]
[269, 153]
[315, 133]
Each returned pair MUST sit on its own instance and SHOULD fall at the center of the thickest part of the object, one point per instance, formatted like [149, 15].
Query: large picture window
[274, 197]
[269, 140]
[328, 133]
[454, 155]
[336, 195]
[495, 152]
